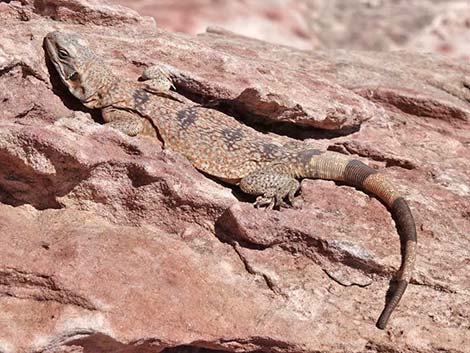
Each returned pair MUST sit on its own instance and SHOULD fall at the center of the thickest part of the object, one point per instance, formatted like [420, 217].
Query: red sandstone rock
[417, 25]
[113, 244]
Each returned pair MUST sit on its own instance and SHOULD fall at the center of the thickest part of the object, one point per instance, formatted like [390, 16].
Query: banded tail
[334, 166]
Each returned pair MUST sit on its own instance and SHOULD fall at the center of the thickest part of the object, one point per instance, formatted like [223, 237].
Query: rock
[282, 22]
[448, 33]
[112, 243]
[416, 25]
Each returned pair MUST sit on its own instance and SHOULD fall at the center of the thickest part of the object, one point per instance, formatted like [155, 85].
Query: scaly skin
[219, 145]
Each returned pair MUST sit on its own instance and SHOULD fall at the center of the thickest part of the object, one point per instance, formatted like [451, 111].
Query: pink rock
[113, 244]
[415, 25]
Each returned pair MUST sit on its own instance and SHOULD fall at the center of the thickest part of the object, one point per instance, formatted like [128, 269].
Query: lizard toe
[262, 201]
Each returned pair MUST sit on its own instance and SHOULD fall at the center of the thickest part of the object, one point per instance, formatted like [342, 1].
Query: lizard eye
[63, 54]
[74, 76]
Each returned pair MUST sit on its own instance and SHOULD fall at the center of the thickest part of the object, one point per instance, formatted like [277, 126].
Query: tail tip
[391, 304]
[382, 321]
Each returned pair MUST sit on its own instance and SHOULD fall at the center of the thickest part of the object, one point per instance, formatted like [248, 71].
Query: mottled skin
[218, 144]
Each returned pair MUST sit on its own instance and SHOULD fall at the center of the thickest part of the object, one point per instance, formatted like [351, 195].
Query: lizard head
[76, 65]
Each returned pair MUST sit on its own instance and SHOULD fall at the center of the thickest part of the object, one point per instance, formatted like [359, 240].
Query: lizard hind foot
[271, 188]
[261, 201]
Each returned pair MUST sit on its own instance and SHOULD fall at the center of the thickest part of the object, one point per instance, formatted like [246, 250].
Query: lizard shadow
[235, 190]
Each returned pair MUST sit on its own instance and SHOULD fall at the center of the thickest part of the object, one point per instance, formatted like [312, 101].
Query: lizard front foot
[158, 77]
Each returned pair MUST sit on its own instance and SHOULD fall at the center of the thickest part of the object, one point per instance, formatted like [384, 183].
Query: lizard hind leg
[270, 186]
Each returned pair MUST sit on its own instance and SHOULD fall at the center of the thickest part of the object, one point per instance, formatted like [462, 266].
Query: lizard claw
[265, 201]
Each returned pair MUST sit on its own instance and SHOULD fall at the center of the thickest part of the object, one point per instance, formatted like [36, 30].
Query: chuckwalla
[219, 145]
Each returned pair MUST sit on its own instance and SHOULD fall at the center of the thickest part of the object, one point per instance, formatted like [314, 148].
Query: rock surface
[113, 244]
[417, 25]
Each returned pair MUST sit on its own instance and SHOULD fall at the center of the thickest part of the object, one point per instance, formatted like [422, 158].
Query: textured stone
[113, 244]
[416, 25]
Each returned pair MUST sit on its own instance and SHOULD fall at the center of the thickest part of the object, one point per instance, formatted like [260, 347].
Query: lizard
[221, 146]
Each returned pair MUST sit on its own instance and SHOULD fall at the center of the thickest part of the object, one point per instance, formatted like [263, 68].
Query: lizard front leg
[158, 78]
[129, 123]
[271, 186]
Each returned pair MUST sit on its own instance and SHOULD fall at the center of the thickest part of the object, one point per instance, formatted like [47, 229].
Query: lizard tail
[335, 166]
